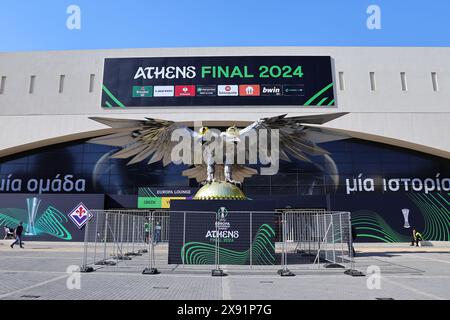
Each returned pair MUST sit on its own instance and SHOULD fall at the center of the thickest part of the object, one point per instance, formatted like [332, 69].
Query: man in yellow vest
[417, 236]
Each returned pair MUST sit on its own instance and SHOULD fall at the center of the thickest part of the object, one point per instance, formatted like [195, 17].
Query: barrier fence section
[325, 237]
[236, 239]
[113, 236]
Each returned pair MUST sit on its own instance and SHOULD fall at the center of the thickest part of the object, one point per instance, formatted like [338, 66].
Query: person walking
[417, 237]
[9, 233]
[354, 236]
[18, 234]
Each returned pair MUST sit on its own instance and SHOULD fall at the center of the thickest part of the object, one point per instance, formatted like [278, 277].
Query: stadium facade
[393, 170]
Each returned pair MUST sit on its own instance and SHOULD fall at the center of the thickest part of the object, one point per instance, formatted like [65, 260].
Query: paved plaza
[40, 272]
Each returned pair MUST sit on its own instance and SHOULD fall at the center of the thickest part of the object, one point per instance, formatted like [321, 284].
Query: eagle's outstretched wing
[141, 139]
[296, 139]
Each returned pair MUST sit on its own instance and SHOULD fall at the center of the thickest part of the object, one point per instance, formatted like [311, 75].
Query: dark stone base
[151, 271]
[354, 273]
[286, 273]
[105, 263]
[333, 266]
[217, 273]
[86, 269]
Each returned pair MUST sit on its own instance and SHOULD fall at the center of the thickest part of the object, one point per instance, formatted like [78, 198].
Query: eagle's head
[233, 131]
[203, 131]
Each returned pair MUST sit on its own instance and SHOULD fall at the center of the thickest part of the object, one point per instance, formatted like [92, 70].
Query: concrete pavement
[40, 272]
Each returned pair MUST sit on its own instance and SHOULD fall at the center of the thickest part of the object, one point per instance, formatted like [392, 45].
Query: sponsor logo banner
[218, 81]
[271, 90]
[160, 197]
[206, 91]
[249, 90]
[142, 91]
[185, 91]
[228, 90]
[294, 90]
[164, 91]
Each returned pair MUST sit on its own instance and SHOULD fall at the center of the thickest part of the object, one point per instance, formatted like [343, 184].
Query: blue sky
[41, 24]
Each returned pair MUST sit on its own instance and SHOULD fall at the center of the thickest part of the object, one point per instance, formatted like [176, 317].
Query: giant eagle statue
[151, 140]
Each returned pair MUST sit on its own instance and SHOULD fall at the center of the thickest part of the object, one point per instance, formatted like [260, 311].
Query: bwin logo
[272, 90]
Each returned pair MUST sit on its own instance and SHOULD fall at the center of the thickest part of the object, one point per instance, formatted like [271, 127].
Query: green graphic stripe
[113, 98]
[322, 101]
[434, 215]
[434, 207]
[204, 253]
[201, 253]
[372, 236]
[310, 101]
[50, 222]
[430, 230]
[6, 219]
[331, 103]
[375, 227]
[386, 235]
[436, 212]
[443, 212]
[448, 203]
[146, 192]
[109, 105]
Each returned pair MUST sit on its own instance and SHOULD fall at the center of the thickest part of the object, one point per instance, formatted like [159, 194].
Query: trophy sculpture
[405, 216]
[33, 205]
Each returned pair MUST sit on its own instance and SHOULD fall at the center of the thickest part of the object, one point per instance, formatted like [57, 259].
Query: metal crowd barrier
[309, 239]
[324, 236]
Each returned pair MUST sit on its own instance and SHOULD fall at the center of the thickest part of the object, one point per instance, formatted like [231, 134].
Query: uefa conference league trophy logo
[406, 216]
[33, 206]
[222, 214]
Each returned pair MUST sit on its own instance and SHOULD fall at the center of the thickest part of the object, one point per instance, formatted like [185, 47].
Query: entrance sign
[160, 198]
[221, 81]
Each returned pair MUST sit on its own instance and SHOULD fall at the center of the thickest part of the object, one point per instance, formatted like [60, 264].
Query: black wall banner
[49, 217]
[244, 238]
[218, 81]
[392, 217]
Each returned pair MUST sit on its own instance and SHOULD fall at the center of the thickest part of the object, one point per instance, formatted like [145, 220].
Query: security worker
[417, 236]
[147, 227]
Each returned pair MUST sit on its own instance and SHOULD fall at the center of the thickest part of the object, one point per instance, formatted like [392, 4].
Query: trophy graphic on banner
[33, 205]
[405, 216]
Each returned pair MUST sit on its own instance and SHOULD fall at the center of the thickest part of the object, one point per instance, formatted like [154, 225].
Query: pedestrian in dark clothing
[354, 235]
[18, 232]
